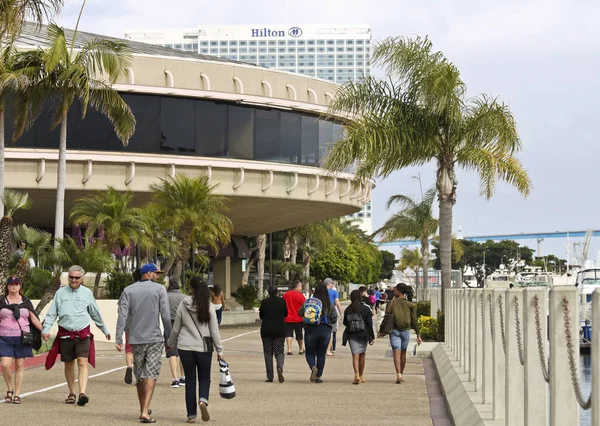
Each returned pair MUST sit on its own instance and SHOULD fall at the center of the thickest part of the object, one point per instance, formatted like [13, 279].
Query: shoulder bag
[388, 323]
[208, 341]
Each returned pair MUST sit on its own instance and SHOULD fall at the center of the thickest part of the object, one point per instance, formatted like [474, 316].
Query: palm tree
[421, 114]
[188, 208]
[12, 201]
[14, 14]
[37, 242]
[261, 244]
[62, 77]
[414, 222]
[112, 212]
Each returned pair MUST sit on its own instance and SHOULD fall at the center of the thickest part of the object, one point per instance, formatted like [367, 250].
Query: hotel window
[281, 49]
[331, 49]
[262, 50]
[252, 43]
[340, 49]
[262, 43]
[349, 49]
[272, 43]
[311, 49]
[320, 49]
[195, 47]
[233, 50]
[177, 46]
[302, 50]
[291, 49]
[214, 51]
[252, 50]
[310, 42]
[204, 43]
[321, 42]
[223, 43]
[233, 43]
[339, 42]
[349, 42]
[214, 43]
[291, 42]
[272, 49]
[252, 58]
[360, 42]
[301, 42]
[204, 50]
[330, 42]
[243, 43]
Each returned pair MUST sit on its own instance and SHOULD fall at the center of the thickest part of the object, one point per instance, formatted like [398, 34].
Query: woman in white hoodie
[195, 323]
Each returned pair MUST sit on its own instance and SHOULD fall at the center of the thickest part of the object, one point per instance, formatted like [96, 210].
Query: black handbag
[26, 336]
[208, 341]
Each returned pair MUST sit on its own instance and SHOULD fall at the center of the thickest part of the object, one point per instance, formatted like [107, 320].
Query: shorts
[11, 347]
[399, 340]
[291, 327]
[174, 352]
[147, 360]
[70, 349]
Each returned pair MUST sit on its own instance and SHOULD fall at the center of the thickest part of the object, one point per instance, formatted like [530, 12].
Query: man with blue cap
[140, 306]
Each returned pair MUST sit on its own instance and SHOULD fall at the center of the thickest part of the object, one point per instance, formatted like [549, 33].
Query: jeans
[195, 361]
[316, 340]
[219, 315]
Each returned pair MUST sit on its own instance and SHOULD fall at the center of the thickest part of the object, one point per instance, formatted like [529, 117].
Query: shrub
[423, 309]
[429, 328]
[116, 281]
[246, 296]
[441, 329]
[36, 282]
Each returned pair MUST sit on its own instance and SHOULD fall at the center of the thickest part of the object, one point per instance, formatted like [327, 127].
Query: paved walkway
[297, 401]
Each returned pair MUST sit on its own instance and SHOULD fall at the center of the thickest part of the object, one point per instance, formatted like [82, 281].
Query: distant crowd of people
[190, 333]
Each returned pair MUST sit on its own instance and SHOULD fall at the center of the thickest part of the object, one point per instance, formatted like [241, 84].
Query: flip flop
[149, 413]
[71, 399]
[291, 353]
[147, 420]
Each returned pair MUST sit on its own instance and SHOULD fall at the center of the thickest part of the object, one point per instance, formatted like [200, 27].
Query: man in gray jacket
[140, 306]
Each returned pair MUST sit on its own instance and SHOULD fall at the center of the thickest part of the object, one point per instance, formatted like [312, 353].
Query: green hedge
[423, 309]
[116, 281]
[246, 296]
[432, 329]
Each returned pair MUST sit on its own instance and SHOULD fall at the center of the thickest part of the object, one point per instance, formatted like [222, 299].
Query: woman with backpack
[359, 331]
[318, 316]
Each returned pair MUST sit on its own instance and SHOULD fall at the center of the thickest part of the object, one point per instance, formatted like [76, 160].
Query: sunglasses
[71, 277]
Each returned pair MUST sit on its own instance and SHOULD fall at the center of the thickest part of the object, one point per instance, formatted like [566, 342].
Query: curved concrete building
[255, 132]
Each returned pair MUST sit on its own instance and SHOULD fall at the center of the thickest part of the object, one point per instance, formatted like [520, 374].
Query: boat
[501, 278]
[587, 281]
[534, 278]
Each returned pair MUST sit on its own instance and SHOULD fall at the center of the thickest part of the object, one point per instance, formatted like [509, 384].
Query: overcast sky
[542, 57]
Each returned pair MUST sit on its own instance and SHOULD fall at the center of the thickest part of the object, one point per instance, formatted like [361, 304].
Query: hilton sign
[267, 32]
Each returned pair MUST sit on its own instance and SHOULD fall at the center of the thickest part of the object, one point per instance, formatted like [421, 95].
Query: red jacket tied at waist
[81, 334]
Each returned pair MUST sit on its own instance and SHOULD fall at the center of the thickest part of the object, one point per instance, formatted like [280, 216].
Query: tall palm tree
[14, 14]
[261, 245]
[421, 114]
[12, 201]
[61, 77]
[414, 222]
[113, 212]
[188, 208]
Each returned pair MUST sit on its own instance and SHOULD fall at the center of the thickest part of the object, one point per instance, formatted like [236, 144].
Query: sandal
[290, 353]
[83, 399]
[149, 413]
[71, 399]
[362, 380]
[147, 420]
[356, 381]
[16, 400]
[9, 397]
[399, 380]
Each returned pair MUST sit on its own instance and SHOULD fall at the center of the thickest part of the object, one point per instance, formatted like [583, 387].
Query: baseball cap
[328, 281]
[14, 280]
[150, 267]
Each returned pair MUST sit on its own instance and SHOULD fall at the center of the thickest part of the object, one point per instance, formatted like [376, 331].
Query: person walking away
[377, 299]
[273, 312]
[390, 295]
[318, 316]
[294, 299]
[16, 315]
[175, 297]
[334, 299]
[196, 334]
[140, 306]
[217, 298]
[74, 306]
[358, 333]
[405, 318]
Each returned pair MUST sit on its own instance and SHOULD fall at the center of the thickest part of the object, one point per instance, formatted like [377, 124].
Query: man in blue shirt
[334, 298]
[74, 306]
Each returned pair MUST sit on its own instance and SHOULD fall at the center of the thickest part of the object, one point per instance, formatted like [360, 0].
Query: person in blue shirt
[334, 298]
[377, 299]
[75, 307]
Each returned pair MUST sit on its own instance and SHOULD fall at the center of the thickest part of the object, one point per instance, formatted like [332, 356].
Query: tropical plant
[59, 78]
[246, 296]
[187, 207]
[112, 212]
[116, 281]
[421, 114]
[12, 201]
[14, 14]
[415, 222]
[37, 242]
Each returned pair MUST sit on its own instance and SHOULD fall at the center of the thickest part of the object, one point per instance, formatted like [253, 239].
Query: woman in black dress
[358, 321]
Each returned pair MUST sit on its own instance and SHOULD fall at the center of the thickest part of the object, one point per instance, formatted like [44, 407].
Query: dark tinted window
[309, 140]
[211, 129]
[177, 120]
[267, 136]
[241, 132]
[291, 137]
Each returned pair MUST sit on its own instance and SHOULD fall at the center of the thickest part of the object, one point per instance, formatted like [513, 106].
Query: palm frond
[14, 201]
[101, 56]
[14, 14]
[58, 53]
[109, 102]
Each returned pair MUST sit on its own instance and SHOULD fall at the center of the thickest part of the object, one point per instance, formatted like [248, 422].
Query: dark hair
[362, 288]
[137, 275]
[200, 299]
[322, 294]
[355, 299]
[273, 291]
[174, 283]
[295, 284]
[216, 289]
[370, 292]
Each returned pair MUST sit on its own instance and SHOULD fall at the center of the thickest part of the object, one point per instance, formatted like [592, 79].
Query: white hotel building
[332, 52]
[335, 53]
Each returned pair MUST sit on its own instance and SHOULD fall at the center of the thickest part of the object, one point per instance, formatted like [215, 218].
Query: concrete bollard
[564, 409]
[435, 305]
[477, 339]
[447, 332]
[471, 333]
[515, 394]
[499, 364]
[536, 388]
[465, 328]
[457, 326]
[487, 362]
[596, 358]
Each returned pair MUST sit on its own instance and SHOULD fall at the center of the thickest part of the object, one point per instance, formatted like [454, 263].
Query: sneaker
[182, 381]
[175, 384]
[313, 374]
[318, 380]
[129, 375]
[280, 375]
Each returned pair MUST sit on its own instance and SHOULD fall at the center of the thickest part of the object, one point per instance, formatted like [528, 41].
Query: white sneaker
[175, 384]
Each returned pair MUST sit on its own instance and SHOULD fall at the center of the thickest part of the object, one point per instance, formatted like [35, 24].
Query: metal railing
[512, 343]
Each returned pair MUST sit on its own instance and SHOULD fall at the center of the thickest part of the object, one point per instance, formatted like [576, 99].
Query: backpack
[313, 309]
[372, 299]
[356, 323]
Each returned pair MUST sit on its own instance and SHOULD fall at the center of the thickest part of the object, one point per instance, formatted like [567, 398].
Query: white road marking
[109, 371]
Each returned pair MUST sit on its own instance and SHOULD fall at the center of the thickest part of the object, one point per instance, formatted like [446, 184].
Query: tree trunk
[249, 266]
[261, 245]
[6, 226]
[97, 284]
[424, 263]
[445, 245]
[48, 295]
[59, 219]
[294, 249]
[306, 264]
[2, 155]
